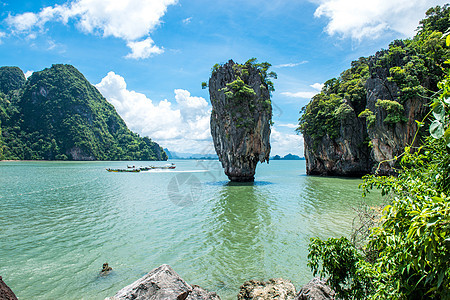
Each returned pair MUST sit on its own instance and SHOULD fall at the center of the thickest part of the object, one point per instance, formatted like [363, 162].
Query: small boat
[165, 167]
[123, 170]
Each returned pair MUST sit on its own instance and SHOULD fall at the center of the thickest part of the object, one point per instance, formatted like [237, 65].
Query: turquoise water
[60, 221]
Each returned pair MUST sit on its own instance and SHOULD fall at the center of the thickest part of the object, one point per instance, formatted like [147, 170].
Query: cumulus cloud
[303, 95]
[128, 20]
[182, 124]
[317, 86]
[283, 143]
[359, 19]
[143, 49]
[182, 127]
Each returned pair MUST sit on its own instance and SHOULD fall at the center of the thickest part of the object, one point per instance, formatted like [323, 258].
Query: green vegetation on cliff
[241, 94]
[58, 114]
[322, 115]
[414, 65]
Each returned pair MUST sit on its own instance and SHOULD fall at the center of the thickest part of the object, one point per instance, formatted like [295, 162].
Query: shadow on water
[236, 237]
[231, 183]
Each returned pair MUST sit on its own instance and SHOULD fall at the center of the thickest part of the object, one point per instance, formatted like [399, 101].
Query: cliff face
[388, 139]
[363, 120]
[346, 155]
[240, 119]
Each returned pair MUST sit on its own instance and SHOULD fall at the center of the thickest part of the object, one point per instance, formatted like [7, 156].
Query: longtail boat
[124, 170]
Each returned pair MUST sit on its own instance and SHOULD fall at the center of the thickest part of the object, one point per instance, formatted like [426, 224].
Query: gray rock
[163, 283]
[5, 292]
[280, 289]
[316, 289]
[199, 293]
[240, 124]
[344, 155]
[389, 140]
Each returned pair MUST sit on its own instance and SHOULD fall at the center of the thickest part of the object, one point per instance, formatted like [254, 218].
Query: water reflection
[329, 205]
[237, 236]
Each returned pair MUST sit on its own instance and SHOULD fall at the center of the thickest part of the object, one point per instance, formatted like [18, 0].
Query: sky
[149, 57]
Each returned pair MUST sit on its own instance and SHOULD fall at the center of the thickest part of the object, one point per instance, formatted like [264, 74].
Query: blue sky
[149, 57]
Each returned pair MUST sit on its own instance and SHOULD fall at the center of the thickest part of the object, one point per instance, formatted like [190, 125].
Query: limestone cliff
[345, 155]
[389, 138]
[240, 118]
[363, 120]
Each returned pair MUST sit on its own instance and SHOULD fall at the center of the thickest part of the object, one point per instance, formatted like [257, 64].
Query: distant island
[181, 155]
[288, 157]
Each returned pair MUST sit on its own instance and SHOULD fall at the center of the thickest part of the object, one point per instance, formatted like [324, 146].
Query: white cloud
[283, 143]
[317, 86]
[289, 125]
[290, 65]
[359, 19]
[304, 95]
[143, 49]
[2, 34]
[28, 74]
[129, 20]
[187, 20]
[182, 127]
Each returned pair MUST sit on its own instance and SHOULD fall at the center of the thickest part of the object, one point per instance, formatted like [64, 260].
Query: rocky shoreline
[164, 283]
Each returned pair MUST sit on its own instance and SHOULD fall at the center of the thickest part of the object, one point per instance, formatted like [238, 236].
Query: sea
[60, 221]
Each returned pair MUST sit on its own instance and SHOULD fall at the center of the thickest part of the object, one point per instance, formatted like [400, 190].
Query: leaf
[447, 133]
[442, 273]
[447, 100]
[439, 111]
[447, 40]
[437, 129]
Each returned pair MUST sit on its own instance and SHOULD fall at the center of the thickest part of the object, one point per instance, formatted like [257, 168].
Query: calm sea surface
[60, 221]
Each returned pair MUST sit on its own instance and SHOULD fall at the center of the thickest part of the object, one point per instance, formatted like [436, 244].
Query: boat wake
[174, 171]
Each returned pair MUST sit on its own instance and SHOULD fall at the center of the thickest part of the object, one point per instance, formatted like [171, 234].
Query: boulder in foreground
[316, 289]
[280, 289]
[163, 283]
[5, 291]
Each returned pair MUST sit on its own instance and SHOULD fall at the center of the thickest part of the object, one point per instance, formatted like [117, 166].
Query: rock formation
[240, 118]
[160, 284]
[371, 121]
[389, 140]
[316, 289]
[5, 291]
[343, 156]
[272, 289]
